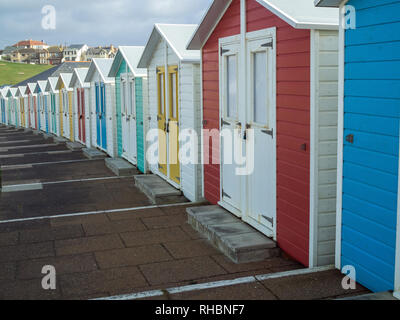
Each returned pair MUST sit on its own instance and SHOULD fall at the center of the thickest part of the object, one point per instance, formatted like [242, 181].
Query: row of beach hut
[323, 101]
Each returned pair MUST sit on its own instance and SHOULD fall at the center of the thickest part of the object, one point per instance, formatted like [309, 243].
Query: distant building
[101, 52]
[7, 52]
[44, 56]
[25, 56]
[55, 55]
[31, 44]
[75, 52]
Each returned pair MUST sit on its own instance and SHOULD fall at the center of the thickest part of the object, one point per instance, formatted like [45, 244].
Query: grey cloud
[101, 22]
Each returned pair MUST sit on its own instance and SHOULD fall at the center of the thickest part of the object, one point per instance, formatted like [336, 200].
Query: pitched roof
[21, 91]
[31, 87]
[103, 67]
[75, 46]
[69, 67]
[97, 50]
[78, 78]
[177, 37]
[55, 49]
[301, 15]
[51, 84]
[9, 50]
[131, 55]
[65, 79]
[41, 86]
[11, 92]
[27, 50]
[29, 43]
[3, 92]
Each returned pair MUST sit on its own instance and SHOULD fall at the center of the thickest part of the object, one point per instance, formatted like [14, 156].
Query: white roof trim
[328, 3]
[154, 39]
[300, 14]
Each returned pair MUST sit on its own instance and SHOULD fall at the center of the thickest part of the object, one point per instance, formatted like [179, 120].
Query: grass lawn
[13, 73]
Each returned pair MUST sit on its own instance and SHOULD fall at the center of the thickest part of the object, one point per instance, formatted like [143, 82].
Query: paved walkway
[105, 239]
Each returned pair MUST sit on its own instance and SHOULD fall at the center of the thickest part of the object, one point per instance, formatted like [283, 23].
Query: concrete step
[93, 154]
[60, 140]
[158, 190]
[120, 167]
[74, 146]
[237, 240]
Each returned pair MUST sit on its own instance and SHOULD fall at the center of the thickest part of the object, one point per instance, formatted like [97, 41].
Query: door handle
[350, 138]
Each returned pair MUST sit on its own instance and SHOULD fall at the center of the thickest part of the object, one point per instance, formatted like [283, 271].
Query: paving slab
[56, 172]
[181, 270]
[313, 286]
[237, 240]
[380, 296]
[93, 153]
[158, 190]
[120, 167]
[60, 139]
[47, 157]
[131, 256]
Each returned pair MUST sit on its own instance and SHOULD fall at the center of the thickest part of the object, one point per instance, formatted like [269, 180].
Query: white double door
[248, 139]
[42, 99]
[65, 114]
[128, 118]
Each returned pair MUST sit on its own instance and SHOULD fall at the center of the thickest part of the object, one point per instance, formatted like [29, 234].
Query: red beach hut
[272, 66]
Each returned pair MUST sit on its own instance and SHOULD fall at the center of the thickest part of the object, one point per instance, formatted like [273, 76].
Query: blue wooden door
[103, 118]
[371, 147]
[98, 107]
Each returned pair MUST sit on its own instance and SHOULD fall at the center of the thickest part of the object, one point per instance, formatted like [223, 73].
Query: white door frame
[397, 262]
[339, 192]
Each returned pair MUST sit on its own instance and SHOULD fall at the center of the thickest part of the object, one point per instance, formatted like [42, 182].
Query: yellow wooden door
[71, 122]
[161, 120]
[22, 110]
[173, 124]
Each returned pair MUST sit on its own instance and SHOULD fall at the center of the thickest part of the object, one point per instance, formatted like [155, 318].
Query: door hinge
[269, 132]
[223, 51]
[268, 45]
[224, 123]
[224, 194]
[270, 220]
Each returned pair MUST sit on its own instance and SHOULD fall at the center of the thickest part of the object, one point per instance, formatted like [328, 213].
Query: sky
[93, 22]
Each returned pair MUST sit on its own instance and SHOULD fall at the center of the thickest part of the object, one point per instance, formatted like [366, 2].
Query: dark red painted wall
[293, 120]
